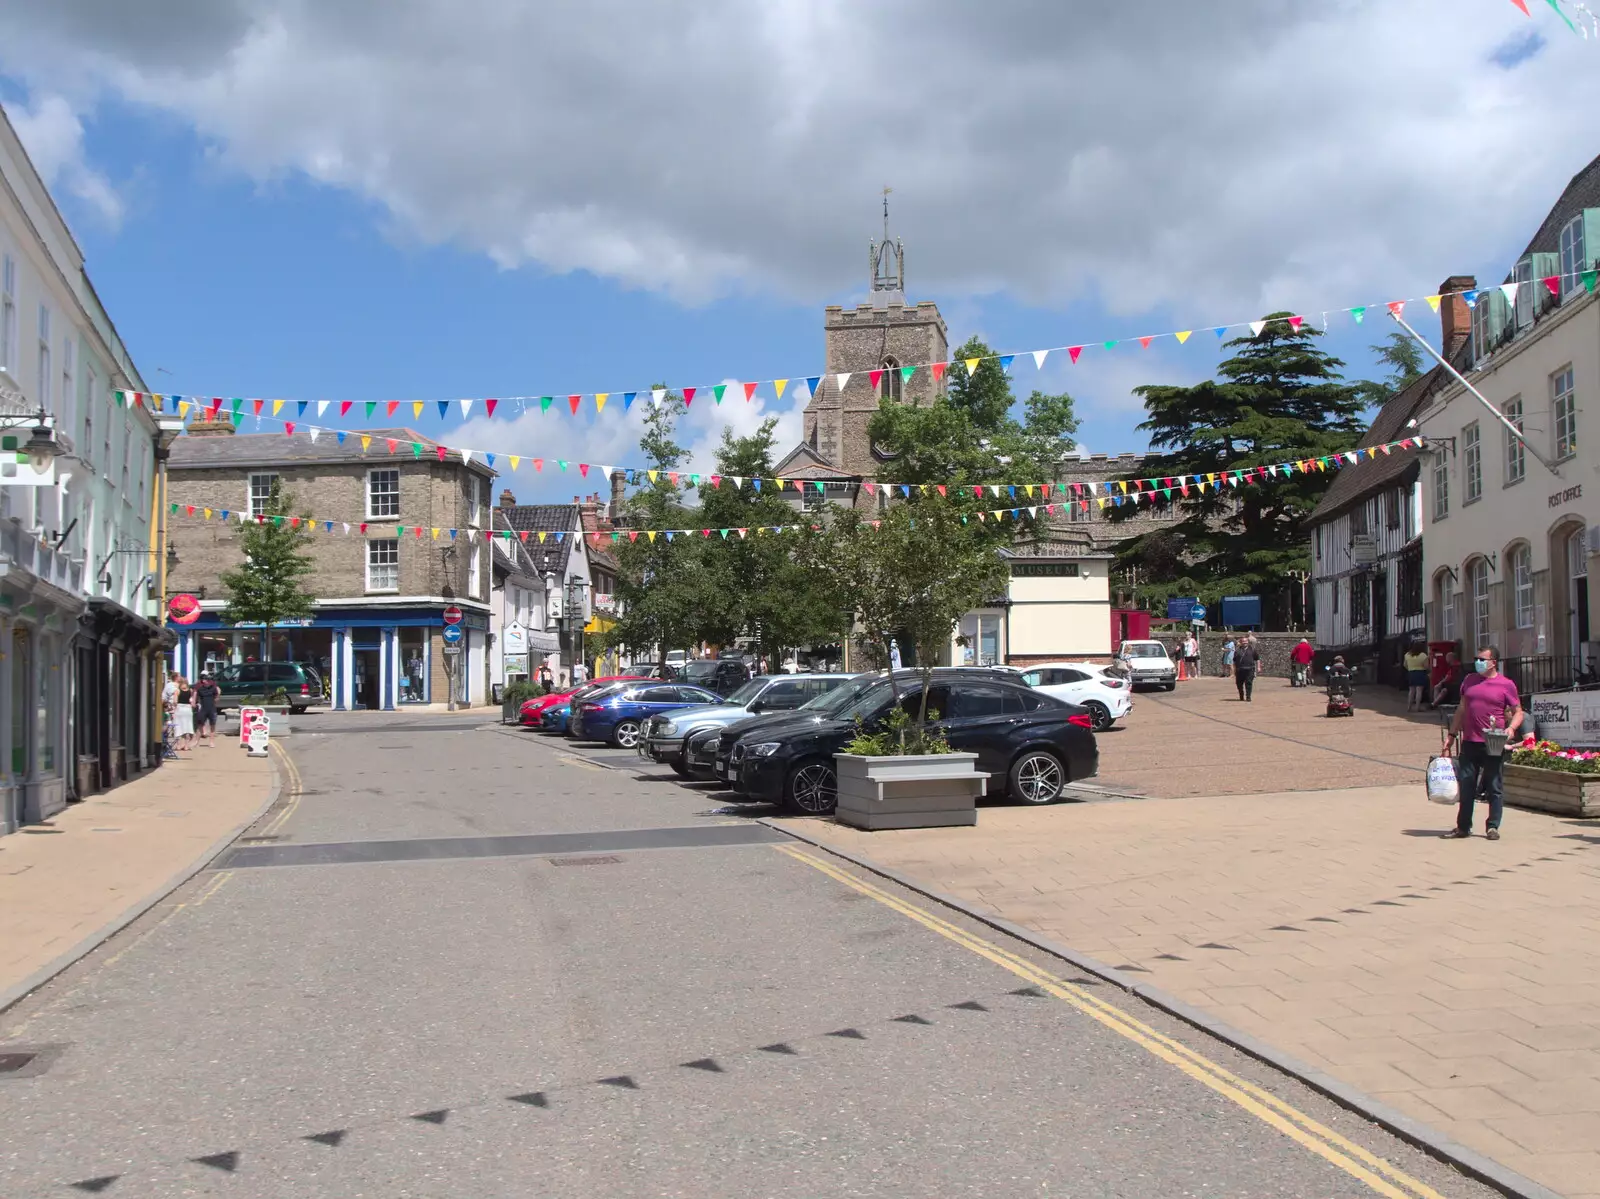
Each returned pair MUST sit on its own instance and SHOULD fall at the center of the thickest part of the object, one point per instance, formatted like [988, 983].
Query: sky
[442, 199]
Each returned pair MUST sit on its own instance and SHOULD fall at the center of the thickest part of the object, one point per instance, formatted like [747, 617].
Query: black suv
[722, 675]
[297, 685]
[1031, 745]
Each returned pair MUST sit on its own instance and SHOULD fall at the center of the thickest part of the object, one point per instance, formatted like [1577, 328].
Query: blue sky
[252, 239]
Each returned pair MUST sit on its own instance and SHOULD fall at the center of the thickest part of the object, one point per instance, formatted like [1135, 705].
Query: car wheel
[626, 734]
[1038, 777]
[1099, 713]
[812, 788]
[678, 767]
[298, 711]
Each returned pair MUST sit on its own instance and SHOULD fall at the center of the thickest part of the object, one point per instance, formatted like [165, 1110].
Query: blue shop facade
[371, 657]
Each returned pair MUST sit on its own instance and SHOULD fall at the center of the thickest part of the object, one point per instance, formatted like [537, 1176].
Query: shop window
[413, 665]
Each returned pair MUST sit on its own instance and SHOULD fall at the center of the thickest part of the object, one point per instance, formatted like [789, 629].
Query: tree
[983, 396]
[659, 593]
[1049, 421]
[1279, 398]
[1404, 358]
[761, 584]
[266, 589]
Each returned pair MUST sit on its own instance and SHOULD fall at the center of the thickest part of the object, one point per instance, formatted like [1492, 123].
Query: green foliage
[983, 397]
[898, 736]
[267, 588]
[515, 693]
[1401, 353]
[1278, 398]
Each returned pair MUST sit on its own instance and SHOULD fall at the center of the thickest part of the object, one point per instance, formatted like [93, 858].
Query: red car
[533, 709]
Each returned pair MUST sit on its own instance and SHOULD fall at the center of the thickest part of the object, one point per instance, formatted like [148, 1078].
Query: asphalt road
[510, 968]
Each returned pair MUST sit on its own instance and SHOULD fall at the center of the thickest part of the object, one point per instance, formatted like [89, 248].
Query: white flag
[1256, 327]
[1510, 290]
[466, 455]
[314, 432]
[656, 395]
[322, 407]
[842, 379]
[1038, 359]
[466, 406]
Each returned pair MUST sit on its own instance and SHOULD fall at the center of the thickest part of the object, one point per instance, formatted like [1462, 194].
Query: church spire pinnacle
[888, 264]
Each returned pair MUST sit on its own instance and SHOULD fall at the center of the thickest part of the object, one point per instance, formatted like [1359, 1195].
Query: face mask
[1482, 665]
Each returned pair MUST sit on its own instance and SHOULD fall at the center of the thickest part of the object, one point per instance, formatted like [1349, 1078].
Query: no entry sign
[452, 615]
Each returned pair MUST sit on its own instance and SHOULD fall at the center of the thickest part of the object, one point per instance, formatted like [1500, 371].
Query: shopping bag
[1442, 785]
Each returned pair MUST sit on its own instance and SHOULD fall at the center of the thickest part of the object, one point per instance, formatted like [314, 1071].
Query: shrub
[899, 737]
[515, 693]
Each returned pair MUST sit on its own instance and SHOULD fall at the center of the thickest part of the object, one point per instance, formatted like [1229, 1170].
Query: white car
[1149, 664]
[1107, 697]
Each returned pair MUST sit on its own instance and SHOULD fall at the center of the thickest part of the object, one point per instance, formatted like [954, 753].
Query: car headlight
[765, 750]
[666, 728]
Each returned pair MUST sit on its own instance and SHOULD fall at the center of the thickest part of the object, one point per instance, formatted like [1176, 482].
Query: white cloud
[53, 136]
[1213, 160]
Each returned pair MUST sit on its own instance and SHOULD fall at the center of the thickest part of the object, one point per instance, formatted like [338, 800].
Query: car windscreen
[1144, 649]
[830, 702]
[703, 669]
[864, 702]
[749, 691]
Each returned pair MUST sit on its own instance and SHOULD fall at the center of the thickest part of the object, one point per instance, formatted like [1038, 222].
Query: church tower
[884, 335]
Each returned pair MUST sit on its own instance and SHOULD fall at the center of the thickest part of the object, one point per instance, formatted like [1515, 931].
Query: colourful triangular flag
[1184, 336]
[600, 398]
[1038, 359]
[718, 391]
[1358, 313]
[1256, 327]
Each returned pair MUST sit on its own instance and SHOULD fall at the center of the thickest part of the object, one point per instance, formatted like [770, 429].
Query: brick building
[415, 546]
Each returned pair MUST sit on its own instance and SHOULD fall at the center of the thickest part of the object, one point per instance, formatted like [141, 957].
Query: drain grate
[598, 860]
[10, 1063]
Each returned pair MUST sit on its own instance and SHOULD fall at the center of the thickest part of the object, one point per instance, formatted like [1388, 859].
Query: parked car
[722, 675]
[1107, 697]
[1149, 665]
[617, 716]
[533, 710]
[1030, 744]
[295, 684]
[666, 737]
[556, 718]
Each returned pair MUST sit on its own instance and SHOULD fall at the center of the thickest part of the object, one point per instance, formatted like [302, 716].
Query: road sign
[452, 634]
[1197, 614]
[1178, 608]
[452, 615]
[452, 650]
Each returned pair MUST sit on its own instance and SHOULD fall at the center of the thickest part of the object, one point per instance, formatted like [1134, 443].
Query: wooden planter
[1552, 790]
[922, 791]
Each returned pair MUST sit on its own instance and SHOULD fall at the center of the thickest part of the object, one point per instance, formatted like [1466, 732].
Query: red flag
[1295, 322]
[1553, 285]
[288, 428]
[216, 406]
[1523, 5]
[489, 406]
[868, 484]
[392, 444]
[1073, 352]
[977, 491]
[523, 534]
[633, 534]
[392, 407]
[716, 482]
[673, 475]
[750, 390]
[257, 405]
[688, 396]
[1145, 341]
[344, 407]
[1396, 306]
[938, 371]
[875, 376]
[941, 489]
[189, 509]
[583, 469]
[572, 402]
[440, 448]
[294, 522]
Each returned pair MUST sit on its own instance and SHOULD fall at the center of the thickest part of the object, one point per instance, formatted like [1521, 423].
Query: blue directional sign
[452, 634]
[1198, 614]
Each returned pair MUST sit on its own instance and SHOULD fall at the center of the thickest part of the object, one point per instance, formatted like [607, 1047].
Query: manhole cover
[10, 1063]
[598, 860]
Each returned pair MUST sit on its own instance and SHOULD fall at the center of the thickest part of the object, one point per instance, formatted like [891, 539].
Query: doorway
[1380, 609]
[1578, 595]
[365, 693]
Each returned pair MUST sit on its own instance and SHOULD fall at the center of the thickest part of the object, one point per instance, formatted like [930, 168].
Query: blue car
[555, 719]
[619, 717]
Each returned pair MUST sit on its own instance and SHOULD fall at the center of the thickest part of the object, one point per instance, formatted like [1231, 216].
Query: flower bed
[1544, 776]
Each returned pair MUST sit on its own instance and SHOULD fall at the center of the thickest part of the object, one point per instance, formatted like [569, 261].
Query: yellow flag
[653, 475]
[778, 385]
[600, 400]
[924, 488]
[1433, 303]
[436, 534]
[208, 513]
[972, 365]
[1122, 487]
[1102, 501]
[277, 407]
[1029, 490]
[365, 442]
[542, 536]
[515, 458]
[183, 409]
[1184, 336]
[652, 533]
[416, 407]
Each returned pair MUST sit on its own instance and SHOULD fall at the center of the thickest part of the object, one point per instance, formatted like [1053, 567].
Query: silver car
[665, 737]
[1149, 665]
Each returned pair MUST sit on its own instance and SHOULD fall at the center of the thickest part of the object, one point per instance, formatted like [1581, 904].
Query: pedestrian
[1301, 656]
[1228, 648]
[183, 715]
[1446, 679]
[1191, 655]
[1245, 662]
[1489, 705]
[1416, 664]
[546, 677]
[580, 674]
[206, 694]
[894, 654]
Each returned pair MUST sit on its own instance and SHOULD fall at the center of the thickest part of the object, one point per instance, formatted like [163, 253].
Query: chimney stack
[222, 426]
[1455, 318]
[507, 500]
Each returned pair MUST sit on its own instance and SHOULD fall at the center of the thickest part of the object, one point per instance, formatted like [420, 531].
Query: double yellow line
[1355, 1161]
[295, 789]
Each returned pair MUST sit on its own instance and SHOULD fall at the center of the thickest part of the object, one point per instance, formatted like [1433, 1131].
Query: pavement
[1452, 980]
[459, 960]
[70, 882]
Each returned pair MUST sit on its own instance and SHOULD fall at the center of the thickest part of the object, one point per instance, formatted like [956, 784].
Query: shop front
[375, 659]
[117, 667]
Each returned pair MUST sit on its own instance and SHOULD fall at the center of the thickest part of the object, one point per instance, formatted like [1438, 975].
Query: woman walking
[183, 715]
[1416, 664]
[206, 692]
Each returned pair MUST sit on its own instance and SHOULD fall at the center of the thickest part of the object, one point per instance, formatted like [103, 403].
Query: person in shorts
[1416, 667]
[206, 695]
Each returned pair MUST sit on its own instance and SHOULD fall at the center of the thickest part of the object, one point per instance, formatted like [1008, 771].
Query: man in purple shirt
[1489, 700]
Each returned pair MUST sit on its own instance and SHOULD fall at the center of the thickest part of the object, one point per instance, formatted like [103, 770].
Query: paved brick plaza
[1293, 884]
